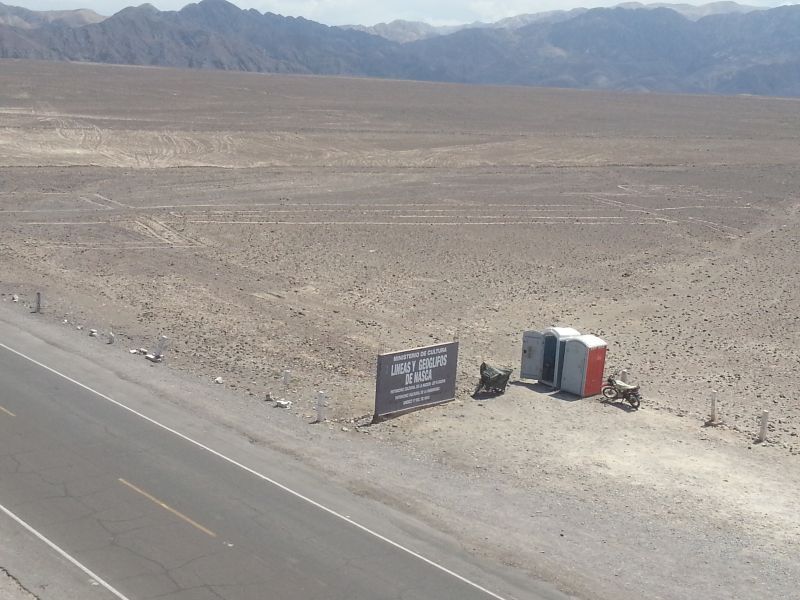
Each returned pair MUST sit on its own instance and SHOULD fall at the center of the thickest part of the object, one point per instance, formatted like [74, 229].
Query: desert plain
[266, 222]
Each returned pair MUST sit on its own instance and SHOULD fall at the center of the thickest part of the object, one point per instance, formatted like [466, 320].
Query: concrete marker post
[320, 406]
[161, 346]
[712, 418]
[762, 435]
[287, 377]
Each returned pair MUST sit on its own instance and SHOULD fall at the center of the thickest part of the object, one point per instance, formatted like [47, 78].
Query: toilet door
[573, 367]
[532, 355]
[594, 372]
[549, 360]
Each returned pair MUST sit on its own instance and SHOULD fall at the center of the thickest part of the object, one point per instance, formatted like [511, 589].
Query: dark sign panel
[411, 379]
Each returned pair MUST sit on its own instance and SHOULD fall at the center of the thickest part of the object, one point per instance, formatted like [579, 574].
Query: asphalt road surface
[147, 511]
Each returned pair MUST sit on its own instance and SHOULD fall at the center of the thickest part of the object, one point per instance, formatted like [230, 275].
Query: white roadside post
[712, 418]
[287, 377]
[762, 435]
[161, 347]
[320, 406]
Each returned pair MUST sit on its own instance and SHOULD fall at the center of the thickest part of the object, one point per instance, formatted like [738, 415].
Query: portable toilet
[584, 364]
[555, 339]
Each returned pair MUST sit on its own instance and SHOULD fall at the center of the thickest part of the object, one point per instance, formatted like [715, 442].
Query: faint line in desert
[712, 225]
[65, 223]
[120, 204]
[116, 247]
[567, 221]
[341, 205]
[44, 210]
[90, 201]
[718, 206]
[532, 217]
[616, 203]
[8, 412]
[467, 216]
[465, 210]
[166, 507]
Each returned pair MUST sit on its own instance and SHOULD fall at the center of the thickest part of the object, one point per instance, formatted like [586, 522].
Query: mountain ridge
[23, 18]
[408, 31]
[650, 50]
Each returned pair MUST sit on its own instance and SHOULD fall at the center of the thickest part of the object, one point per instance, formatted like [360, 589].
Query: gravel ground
[265, 223]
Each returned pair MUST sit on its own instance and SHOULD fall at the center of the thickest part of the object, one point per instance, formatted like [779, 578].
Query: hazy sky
[368, 12]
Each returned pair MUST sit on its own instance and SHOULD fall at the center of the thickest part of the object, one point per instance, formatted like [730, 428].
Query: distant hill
[693, 12]
[23, 18]
[404, 31]
[653, 49]
[411, 31]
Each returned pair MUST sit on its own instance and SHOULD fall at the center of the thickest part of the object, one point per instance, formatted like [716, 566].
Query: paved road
[157, 515]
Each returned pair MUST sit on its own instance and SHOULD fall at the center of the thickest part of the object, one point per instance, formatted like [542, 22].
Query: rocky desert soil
[269, 222]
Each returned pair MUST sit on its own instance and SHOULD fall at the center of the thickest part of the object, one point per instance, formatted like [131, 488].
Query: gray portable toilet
[555, 339]
[532, 355]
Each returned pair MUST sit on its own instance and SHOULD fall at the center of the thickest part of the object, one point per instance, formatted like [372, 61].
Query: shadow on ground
[540, 388]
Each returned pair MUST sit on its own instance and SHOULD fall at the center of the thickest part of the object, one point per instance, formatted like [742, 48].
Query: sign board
[412, 379]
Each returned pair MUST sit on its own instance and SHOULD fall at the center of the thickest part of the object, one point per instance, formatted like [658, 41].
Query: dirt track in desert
[268, 222]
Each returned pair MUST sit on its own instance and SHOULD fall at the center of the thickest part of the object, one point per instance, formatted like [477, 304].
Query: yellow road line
[168, 508]
[8, 412]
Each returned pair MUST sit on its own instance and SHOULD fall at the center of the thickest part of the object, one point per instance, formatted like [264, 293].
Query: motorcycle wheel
[635, 401]
[609, 393]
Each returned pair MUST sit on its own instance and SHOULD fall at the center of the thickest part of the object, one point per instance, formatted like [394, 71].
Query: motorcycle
[493, 380]
[619, 390]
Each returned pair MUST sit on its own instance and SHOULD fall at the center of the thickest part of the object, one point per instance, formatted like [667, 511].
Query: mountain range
[410, 31]
[719, 48]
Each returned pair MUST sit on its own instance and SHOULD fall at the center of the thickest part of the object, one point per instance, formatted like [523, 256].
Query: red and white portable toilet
[584, 365]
